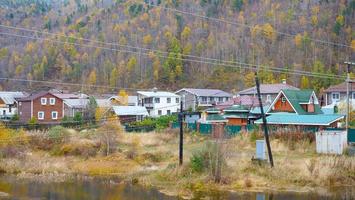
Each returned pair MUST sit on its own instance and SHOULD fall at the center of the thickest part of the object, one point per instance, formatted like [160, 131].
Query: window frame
[38, 115]
[335, 93]
[168, 100]
[50, 101]
[168, 112]
[160, 112]
[156, 100]
[43, 101]
[177, 100]
[56, 112]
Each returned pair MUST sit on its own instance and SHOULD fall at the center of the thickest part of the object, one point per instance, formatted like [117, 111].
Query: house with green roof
[299, 108]
[237, 115]
[212, 115]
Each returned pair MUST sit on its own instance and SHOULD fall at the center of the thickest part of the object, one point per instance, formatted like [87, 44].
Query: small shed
[331, 141]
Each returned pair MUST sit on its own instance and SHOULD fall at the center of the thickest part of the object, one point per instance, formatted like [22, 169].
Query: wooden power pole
[181, 142]
[266, 133]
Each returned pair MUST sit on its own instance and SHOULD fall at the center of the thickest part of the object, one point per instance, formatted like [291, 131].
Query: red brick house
[45, 107]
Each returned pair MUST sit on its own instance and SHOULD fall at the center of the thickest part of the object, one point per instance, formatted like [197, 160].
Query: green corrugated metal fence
[232, 130]
[351, 135]
[192, 126]
[175, 125]
[205, 128]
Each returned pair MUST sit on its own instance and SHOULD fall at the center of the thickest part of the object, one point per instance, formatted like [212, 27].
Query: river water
[98, 188]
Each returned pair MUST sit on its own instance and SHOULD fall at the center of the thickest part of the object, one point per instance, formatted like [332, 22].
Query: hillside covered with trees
[174, 43]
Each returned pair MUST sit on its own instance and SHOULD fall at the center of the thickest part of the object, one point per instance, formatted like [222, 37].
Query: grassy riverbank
[151, 159]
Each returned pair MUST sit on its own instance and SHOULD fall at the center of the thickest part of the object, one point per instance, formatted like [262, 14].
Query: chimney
[283, 81]
[155, 89]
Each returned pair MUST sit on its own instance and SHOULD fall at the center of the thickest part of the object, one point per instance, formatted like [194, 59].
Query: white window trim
[338, 93]
[353, 95]
[50, 101]
[55, 113]
[43, 101]
[38, 115]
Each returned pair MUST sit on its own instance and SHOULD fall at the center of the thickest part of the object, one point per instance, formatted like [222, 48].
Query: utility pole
[347, 93]
[266, 133]
[181, 142]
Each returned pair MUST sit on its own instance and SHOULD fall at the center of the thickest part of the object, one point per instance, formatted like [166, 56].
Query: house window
[43, 101]
[335, 96]
[204, 99]
[168, 112]
[168, 100]
[20, 103]
[353, 95]
[4, 112]
[220, 99]
[283, 99]
[54, 115]
[211, 98]
[40, 115]
[157, 100]
[159, 112]
[177, 100]
[52, 101]
[268, 98]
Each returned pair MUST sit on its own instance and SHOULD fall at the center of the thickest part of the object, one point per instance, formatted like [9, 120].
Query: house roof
[77, 103]
[9, 98]
[340, 88]
[294, 119]
[267, 89]
[70, 95]
[157, 94]
[35, 96]
[244, 100]
[297, 97]
[215, 118]
[257, 110]
[130, 110]
[212, 110]
[235, 115]
[206, 92]
[236, 108]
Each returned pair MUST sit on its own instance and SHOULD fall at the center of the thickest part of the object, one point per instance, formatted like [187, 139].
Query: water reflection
[95, 188]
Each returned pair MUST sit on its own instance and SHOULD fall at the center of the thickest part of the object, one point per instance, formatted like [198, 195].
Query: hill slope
[282, 34]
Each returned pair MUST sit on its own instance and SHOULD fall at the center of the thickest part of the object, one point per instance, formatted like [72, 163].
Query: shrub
[15, 118]
[58, 134]
[13, 142]
[32, 123]
[197, 162]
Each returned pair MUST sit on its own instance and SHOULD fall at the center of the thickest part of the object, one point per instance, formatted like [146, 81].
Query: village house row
[283, 104]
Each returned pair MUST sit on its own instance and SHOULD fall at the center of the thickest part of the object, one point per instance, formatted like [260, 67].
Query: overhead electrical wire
[218, 62]
[280, 70]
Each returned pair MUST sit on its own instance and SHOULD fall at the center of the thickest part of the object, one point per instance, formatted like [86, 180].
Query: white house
[159, 103]
[8, 103]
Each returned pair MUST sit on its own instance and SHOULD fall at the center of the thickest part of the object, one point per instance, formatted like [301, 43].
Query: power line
[279, 70]
[219, 63]
[244, 25]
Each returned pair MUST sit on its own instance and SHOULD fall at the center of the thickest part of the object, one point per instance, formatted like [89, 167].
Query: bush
[32, 123]
[13, 142]
[58, 134]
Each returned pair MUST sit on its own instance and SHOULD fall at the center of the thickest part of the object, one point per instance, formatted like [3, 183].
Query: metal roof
[9, 98]
[295, 119]
[206, 92]
[157, 94]
[298, 97]
[267, 89]
[130, 110]
[77, 103]
[236, 108]
[340, 87]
